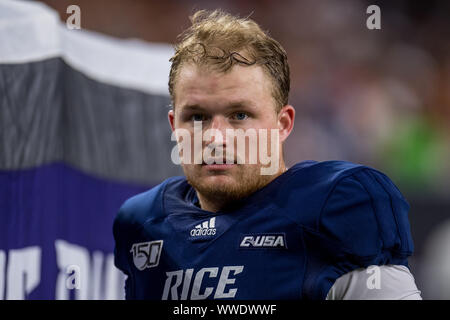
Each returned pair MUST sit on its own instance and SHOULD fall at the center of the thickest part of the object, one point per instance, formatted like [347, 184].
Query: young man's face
[239, 99]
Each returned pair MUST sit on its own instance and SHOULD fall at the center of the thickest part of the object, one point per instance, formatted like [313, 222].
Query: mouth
[213, 165]
[218, 167]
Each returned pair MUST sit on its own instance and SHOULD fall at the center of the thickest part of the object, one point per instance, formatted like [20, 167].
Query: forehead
[201, 85]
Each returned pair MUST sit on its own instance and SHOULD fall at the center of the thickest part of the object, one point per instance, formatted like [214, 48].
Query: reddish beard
[245, 180]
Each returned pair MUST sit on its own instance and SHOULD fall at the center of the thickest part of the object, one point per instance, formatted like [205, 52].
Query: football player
[233, 229]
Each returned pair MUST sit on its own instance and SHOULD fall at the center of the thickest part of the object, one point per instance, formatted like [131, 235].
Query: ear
[171, 117]
[286, 118]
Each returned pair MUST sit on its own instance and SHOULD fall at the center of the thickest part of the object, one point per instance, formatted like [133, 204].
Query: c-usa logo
[146, 254]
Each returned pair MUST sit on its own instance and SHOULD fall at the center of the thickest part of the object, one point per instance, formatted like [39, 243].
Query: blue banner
[56, 237]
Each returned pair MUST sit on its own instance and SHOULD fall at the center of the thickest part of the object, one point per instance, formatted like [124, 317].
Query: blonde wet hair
[219, 40]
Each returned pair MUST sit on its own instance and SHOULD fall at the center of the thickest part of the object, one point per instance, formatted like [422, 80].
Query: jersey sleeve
[127, 230]
[363, 222]
[121, 232]
[388, 282]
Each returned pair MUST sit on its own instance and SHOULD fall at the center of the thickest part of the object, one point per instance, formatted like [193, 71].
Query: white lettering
[175, 279]
[196, 295]
[374, 20]
[279, 242]
[224, 280]
[73, 280]
[374, 281]
[266, 241]
[213, 151]
[74, 20]
[174, 289]
[68, 254]
[24, 272]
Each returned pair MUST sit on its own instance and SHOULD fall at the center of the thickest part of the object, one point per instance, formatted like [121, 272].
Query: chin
[218, 181]
[216, 185]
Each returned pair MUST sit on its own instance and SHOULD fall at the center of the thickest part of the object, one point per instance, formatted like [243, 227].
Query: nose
[218, 124]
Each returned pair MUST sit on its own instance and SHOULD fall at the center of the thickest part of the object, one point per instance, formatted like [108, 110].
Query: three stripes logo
[206, 228]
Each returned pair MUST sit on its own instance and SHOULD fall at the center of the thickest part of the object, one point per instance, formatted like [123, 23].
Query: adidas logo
[206, 228]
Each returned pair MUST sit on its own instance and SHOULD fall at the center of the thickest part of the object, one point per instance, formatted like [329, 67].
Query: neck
[215, 204]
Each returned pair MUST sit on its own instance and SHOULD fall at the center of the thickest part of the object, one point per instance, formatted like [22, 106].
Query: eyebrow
[193, 107]
[232, 105]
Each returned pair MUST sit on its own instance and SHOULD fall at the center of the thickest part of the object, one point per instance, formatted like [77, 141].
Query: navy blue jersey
[289, 240]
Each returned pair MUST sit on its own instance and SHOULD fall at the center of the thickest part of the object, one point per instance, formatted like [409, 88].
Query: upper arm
[363, 222]
[388, 282]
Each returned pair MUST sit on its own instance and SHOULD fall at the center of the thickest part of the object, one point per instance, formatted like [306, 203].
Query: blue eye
[240, 116]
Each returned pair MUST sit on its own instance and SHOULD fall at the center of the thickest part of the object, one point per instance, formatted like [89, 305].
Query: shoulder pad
[367, 216]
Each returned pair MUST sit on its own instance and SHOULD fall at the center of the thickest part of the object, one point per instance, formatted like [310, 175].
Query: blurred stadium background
[83, 121]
